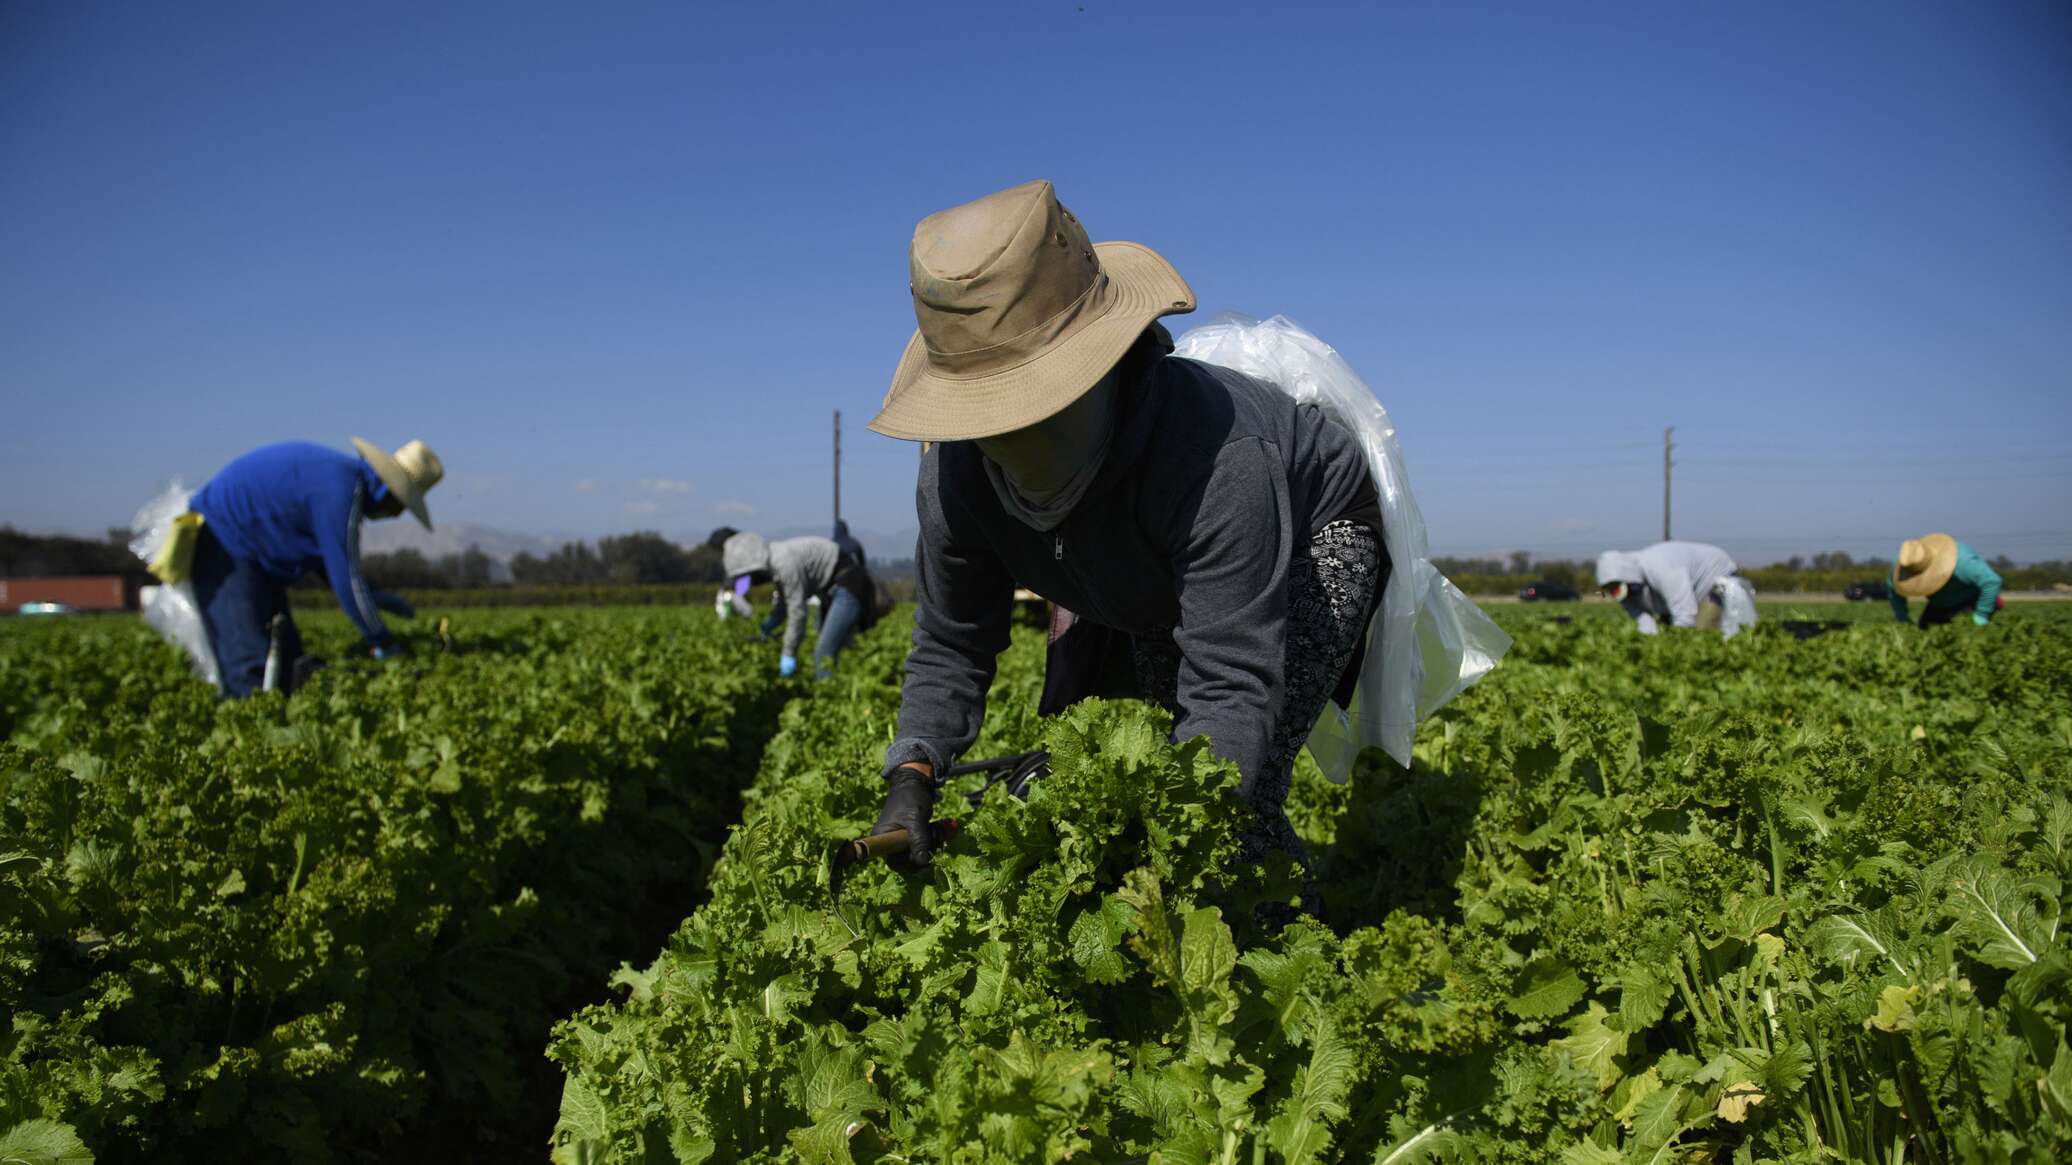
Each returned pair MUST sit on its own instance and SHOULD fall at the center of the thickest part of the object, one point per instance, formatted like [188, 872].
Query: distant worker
[277, 513]
[1950, 575]
[801, 569]
[1678, 584]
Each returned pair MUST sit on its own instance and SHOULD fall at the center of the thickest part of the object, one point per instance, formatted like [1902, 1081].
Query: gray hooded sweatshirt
[1681, 574]
[1212, 482]
[801, 567]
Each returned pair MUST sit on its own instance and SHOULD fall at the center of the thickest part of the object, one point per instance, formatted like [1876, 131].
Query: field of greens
[339, 926]
[565, 890]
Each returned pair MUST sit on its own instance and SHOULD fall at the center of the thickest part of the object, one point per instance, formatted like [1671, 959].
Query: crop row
[339, 925]
[1638, 900]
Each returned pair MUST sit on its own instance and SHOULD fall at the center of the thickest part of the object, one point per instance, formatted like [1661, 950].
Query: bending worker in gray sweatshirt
[1675, 584]
[1232, 535]
[801, 568]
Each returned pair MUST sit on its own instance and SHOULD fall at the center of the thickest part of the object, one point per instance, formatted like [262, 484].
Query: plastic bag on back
[172, 610]
[1427, 642]
[1737, 605]
[154, 522]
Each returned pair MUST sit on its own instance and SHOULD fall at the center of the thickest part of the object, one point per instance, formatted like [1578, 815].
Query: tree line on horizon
[643, 557]
[646, 558]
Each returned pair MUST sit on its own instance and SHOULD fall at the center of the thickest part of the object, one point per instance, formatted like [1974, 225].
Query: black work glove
[909, 796]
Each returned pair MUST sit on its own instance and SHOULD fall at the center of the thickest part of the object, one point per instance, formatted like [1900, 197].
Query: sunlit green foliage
[298, 929]
[1665, 899]
[1639, 900]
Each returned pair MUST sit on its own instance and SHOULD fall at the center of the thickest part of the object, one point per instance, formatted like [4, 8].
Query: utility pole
[1666, 463]
[838, 467]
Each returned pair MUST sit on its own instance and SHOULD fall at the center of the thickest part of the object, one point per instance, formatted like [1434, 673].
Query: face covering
[1040, 472]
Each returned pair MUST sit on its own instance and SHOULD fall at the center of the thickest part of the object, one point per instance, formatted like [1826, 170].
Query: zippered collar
[1136, 412]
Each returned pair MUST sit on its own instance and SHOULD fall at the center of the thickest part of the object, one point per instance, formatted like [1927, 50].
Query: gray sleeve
[1230, 569]
[965, 605]
[1671, 581]
[796, 588]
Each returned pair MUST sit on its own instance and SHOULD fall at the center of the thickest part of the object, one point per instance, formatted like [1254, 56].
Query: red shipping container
[99, 592]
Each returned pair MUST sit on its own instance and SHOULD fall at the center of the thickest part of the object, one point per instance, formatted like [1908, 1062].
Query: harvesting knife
[1015, 772]
[892, 841]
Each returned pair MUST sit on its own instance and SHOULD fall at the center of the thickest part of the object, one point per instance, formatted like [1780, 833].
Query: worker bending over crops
[800, 568]
[280, 511]
[1950, 575]
[1680, 584]
[1232, 534]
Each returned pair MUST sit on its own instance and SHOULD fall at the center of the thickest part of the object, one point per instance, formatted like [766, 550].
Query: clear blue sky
[617, 263]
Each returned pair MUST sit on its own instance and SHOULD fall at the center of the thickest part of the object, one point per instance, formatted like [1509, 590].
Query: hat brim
[1942, 563]
[399, 483]
[925, 405]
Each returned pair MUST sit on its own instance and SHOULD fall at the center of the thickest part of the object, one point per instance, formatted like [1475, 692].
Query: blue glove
[788, 665]
[1979, 619]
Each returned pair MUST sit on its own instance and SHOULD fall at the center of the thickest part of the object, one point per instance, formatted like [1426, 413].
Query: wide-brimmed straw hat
[1019, 315]
[1924, 565]
[408, 473]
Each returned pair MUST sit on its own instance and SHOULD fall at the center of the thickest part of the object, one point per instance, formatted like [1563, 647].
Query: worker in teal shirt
[1947, 573]
[279, 512]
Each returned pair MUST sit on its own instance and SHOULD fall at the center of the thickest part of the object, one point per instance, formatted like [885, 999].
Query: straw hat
[1924, 565]
[1019, 315]
[408, 474]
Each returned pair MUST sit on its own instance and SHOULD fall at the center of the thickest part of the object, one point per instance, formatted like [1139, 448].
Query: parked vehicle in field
[1858, 592]
[1548, 592]
[47, 609]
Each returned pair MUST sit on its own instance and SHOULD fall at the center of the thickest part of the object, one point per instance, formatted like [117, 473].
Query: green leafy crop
[1644, 900]
[1657, 900]
[340, 924]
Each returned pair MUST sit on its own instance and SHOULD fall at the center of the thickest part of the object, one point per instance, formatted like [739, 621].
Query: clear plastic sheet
[1737, 605]
[154, 521]
[171, 610]
[1428, 642]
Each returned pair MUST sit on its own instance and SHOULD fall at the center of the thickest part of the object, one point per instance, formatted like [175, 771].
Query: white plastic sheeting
[1427, 642]
[171, 610]
[1737, 605]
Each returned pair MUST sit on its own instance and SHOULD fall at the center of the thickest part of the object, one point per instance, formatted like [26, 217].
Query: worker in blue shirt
[1950, 575]
[280, 511]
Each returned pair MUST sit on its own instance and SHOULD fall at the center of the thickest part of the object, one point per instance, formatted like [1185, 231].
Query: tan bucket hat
[409, 473]
[1019, 315]
[1924, 565]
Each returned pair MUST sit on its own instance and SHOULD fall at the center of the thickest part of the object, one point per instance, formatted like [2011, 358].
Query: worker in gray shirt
[801, 569]
[1230, 533]
[1675, 584]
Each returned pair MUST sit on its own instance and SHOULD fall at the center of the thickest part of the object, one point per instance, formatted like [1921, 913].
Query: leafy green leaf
[1595, 1045]
[1546, 988]
[2000, 914]
[583, 1128]
[1301, 1132]
[1895, 1009]
[43, 1142]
